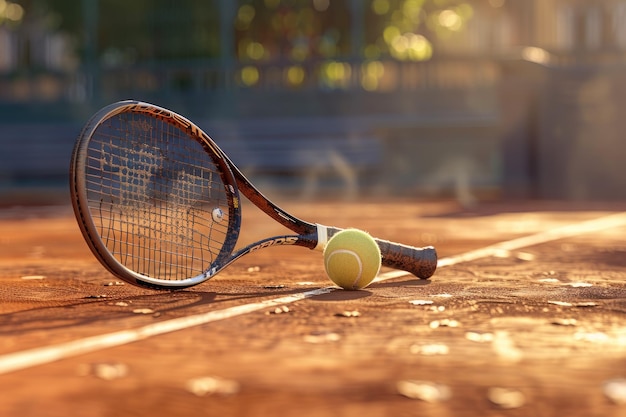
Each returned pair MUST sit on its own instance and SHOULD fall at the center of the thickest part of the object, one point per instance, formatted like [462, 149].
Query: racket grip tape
[421, 262]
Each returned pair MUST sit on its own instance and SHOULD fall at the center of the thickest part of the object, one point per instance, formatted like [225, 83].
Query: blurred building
[498, 96]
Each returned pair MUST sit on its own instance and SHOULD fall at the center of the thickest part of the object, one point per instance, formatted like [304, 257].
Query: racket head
[154, 196]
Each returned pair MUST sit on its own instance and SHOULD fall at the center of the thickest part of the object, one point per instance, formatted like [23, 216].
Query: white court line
[607, 222]
[39, 356]
[47, 354]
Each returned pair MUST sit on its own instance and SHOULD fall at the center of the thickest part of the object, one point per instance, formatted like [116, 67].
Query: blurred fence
[421, 116]
[455, 126]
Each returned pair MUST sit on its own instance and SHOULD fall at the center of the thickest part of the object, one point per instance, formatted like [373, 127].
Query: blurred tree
[11, 13]
[412, 29]
[141, 30]
[295, 30]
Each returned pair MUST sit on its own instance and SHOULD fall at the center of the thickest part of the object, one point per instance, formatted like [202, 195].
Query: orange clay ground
[536, 331]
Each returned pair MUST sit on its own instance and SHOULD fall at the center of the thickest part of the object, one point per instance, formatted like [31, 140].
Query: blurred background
[471, 99]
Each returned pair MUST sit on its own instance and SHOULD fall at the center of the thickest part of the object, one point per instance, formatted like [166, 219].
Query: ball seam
[358, 259]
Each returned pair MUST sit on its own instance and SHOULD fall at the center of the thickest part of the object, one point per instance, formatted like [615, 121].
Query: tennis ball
[352, 259]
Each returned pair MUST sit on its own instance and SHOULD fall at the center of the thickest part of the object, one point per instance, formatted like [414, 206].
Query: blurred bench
[38, 153]
[305, 154]
[300, 154]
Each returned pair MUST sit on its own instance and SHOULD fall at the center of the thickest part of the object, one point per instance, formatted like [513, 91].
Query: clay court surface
[535, 329]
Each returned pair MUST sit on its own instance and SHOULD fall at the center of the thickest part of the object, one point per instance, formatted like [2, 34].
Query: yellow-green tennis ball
[352, 259]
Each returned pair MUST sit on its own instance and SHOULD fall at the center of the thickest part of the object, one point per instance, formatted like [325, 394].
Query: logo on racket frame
[288, 240]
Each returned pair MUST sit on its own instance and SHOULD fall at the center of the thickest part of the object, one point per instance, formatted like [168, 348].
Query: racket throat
[324, 233]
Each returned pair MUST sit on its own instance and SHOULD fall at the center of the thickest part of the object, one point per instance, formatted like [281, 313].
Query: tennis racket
[158, 202]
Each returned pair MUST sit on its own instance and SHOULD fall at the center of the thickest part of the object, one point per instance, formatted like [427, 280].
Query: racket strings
[152, 190]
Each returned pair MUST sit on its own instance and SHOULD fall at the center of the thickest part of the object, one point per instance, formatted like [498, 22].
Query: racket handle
[421, 262]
